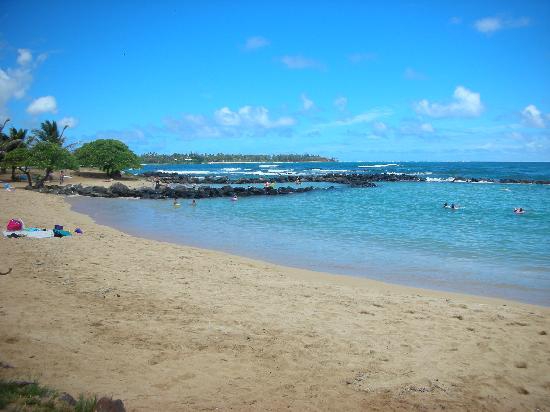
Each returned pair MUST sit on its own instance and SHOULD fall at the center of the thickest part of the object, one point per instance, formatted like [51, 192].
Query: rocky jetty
[165, 192]
[352, 179]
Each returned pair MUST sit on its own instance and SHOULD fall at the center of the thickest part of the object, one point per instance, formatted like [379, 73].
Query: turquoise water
[397, 232]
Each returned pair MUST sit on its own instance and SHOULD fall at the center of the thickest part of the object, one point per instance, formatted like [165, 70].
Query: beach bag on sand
[14, 225]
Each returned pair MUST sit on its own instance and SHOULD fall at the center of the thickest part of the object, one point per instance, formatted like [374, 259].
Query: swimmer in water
[453, 206]
[234, 198]
[176, 204]
[519, 210]
[193, 202]
[445, 204]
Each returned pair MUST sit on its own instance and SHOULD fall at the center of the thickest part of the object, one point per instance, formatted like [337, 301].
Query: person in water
[176, 202]
[445, 204]
[453, 206]
[234, 198]
[193, 202]
[519, 210]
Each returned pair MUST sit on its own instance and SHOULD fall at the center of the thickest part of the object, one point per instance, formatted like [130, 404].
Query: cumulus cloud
[256, 42]
[489, 25]
[68, 121]
[301, 62]
[24, 57]
[307, 103]
[341, 103]
[15, 81]
[532, 116]
[465, 104]
[245, 121]
[46, 104]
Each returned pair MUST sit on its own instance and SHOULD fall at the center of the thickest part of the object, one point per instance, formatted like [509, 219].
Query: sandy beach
[169, 327]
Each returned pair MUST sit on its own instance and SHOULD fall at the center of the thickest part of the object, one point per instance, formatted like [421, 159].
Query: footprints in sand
[520, 365]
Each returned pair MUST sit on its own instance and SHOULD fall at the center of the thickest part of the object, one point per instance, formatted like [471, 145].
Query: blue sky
[407, 80]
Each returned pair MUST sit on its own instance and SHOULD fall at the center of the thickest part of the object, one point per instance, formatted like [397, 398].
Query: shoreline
[341, 278]
[172, 327]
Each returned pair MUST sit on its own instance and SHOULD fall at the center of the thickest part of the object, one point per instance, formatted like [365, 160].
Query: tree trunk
[27, 172]
[41, 182]
[13, 173]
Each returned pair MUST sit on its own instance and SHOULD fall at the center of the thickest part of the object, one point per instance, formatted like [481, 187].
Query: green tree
[20, 158]
[17, 138]
[109, 155]
[51, 156]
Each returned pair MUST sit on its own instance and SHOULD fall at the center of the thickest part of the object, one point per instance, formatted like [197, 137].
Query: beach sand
[169, 327]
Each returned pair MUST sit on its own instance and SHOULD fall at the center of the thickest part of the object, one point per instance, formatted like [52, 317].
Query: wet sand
[169, 327]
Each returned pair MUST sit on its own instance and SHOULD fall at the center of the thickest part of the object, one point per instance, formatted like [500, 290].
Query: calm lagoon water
[397, 232]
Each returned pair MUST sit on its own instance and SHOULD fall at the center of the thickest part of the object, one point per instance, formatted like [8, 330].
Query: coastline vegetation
[30, 396]
[194, 158]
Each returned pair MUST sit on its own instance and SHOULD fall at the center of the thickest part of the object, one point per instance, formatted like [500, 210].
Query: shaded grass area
[30, 396]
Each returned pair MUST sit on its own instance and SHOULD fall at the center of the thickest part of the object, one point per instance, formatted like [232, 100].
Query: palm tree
[49, 132]
[17, 138]
[3, 140]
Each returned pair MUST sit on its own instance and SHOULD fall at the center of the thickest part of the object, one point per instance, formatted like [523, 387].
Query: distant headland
[182, 158]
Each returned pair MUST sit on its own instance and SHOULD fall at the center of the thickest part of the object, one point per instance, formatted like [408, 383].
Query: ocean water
[397, 232]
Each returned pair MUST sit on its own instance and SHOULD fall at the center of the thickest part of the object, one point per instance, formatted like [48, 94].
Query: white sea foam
[439, 179]
[231, 169]
[378, 166]
[268, 166]
[186, 172]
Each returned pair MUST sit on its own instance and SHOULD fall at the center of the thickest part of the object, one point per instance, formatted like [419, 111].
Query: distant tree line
[182, 158]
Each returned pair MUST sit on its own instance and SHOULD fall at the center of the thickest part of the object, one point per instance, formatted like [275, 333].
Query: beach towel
[36, 234]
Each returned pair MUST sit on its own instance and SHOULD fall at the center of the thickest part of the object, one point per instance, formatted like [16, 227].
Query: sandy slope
[166, 327]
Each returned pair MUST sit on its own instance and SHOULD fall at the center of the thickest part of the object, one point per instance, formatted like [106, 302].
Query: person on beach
[157, 183]
[61, 176]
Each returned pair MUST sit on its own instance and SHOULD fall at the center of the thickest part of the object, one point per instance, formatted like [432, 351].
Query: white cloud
[466, 104]
[455, 20]
[256, 42]
[15, 81]
[489, 25]
[307, 103]
[68, 121]
[43, 105]
[532, 116]
[411, 74]
[24, 56]
[226, 117]
[341, 103]
[365, 117]
[301, 62]
[245, 121]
